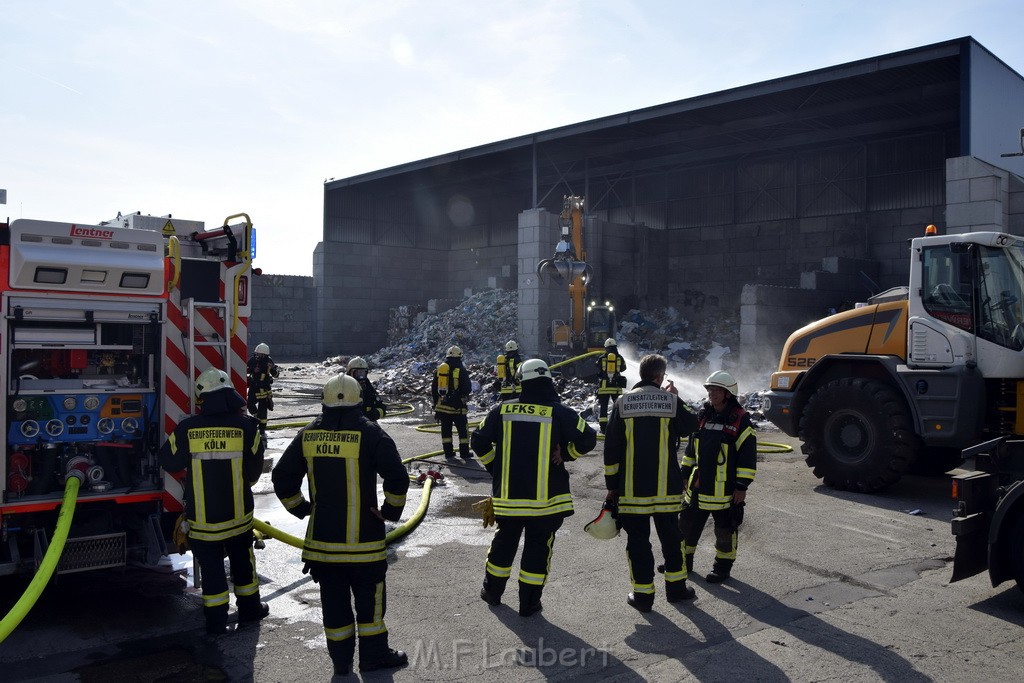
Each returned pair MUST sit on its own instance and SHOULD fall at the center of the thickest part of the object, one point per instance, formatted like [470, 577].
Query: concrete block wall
[358, 284]
[980, 196]
[482, 268]
[283, 315]
[539, 302]
[769, 314]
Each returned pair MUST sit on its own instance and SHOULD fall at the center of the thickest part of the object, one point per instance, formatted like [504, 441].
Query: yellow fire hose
[401, 409]
[392, 536]
[49, 563]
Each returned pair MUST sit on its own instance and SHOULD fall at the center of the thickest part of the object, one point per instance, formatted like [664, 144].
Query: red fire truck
[105, 327]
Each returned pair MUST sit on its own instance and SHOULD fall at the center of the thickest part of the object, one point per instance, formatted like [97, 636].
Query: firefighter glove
[486, 509]
[737, 515]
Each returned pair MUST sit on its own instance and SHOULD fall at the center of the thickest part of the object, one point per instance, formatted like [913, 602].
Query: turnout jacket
[221, 452]
[516, 442]
[720, 457]
[373, 408]
[261, 371]
[610, 383]
[641, 450]
[456, 400]
[341, 452]
[509, 386]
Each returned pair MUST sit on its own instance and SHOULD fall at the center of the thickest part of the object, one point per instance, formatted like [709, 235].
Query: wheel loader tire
[1017, 551]
[857, 435]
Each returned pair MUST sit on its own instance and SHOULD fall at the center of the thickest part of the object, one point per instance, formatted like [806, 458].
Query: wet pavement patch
[462, 507]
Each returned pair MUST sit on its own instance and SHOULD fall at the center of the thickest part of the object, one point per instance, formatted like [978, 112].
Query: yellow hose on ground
[406, 408]
[49, 563]
[392, 536]
[769, 447]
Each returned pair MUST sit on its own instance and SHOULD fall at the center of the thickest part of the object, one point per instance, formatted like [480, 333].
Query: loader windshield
[1000, 295]
[979, 289]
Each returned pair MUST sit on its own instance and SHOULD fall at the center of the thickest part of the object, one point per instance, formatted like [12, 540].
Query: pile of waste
[479, 325]
[694, 345]
[701, 343]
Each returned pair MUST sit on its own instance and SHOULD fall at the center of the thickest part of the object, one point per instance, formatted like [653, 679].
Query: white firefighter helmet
[358, 368]
[511, 345]
[212, 379]
[533, 369]
[609, 342]
[341, 391]
[603, 526]
[262, 348]
[454, 351]
[724, 380]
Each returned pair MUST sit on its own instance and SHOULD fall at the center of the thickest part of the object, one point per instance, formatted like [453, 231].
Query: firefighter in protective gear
[641, 469]
[260, 372]
[373, 407]
[610, 379]
[719, 465]
[450, 390]
[524, 444]
[506, 369]
[220, 451]
[342, 453]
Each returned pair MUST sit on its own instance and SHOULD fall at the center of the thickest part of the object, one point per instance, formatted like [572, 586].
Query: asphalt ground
[827, 586]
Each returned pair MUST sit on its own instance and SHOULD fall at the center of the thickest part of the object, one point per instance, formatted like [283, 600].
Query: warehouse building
[811, 183]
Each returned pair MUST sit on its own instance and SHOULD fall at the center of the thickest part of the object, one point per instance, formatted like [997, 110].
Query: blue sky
[205, 109]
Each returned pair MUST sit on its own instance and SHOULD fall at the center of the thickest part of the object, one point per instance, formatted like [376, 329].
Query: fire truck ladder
[219, 341]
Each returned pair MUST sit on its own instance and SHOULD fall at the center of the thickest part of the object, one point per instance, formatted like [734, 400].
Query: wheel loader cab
[975, 286]
[601, 324]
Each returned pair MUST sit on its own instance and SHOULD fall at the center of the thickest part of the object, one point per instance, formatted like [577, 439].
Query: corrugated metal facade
[765, 170]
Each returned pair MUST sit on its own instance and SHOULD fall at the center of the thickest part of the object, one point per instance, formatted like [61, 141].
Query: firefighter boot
[392, 659]
[255, 613]
[529, 599]
[464, 451]
[720, 572]
[492, 599]
[677, 591]
[449, 451]
[342, 653]
[642, 602]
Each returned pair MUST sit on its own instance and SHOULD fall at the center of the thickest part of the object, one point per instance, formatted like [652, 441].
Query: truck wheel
[857, 435]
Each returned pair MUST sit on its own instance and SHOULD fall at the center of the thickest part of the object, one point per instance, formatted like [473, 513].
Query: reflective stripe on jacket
[222, 456]
[342, 453]
[721, 457]
[641, 450]
[515, 443]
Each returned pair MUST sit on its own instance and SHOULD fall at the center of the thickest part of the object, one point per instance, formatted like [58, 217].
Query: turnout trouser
[536, 561]
[210, 556]
[692, 520]
[258, 403]
[641, 557]
[340, 586]
[460, 422]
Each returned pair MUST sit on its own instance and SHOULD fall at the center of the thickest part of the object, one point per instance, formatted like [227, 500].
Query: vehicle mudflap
[975, 495]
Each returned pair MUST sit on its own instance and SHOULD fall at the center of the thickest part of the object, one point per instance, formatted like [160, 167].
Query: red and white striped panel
[178, 386]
